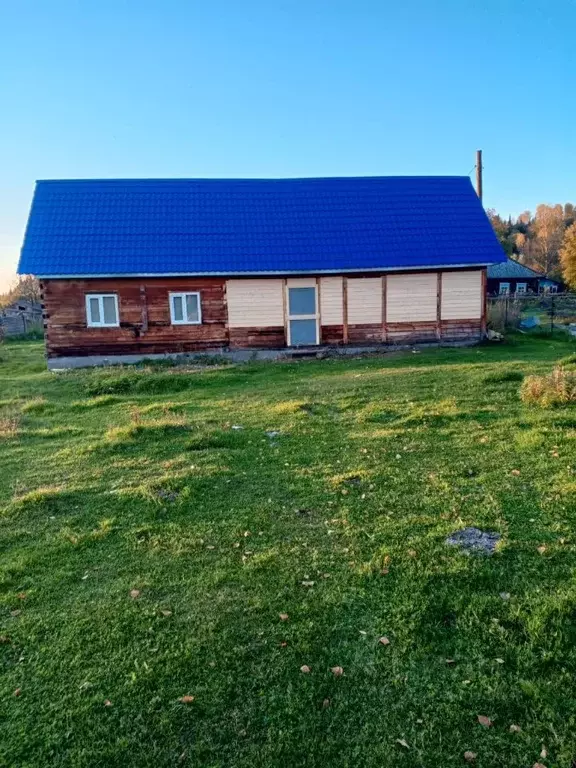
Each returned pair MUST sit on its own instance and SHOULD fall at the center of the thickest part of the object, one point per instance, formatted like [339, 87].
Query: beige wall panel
[411, 298]
[301, 282]
[364, 300]
[331, 301]
[255, 303]
[462, 295]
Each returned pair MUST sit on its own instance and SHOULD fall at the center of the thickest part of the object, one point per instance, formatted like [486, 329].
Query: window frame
[523, 286]
[182, 295]
[505, 292]
[101, 323]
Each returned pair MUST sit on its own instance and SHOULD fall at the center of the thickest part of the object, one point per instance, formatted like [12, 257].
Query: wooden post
[439, 306]
[318, 311]
[285, 309]
[484, 302]
[144, 308]
[345, 310]
[479, 189]
[384, 297]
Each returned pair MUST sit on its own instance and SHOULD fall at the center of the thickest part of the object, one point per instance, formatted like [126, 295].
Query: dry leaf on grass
[21, 595]
[384, 640]
[403, 743]
[485, 721]
[515, 472]
[515, 729]
[305, 669]
[166, 612]
[186, 699]
[542, 549]
[469, 756]
[18, 691]
[107, 703]
[307, 583]
[284, 616]
[450, 661]
[325, 703]
[337, 671]
[134, 593]
[16, 612]
[4, 639]
[544, 752]
[538, 765]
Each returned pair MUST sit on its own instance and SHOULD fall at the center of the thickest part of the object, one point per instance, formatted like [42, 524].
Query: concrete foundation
[246, 355]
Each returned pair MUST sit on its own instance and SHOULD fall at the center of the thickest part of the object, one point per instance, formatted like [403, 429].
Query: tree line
[545, 240]
[25, 287]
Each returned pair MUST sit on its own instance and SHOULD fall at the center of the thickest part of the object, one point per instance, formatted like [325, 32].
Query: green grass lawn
[148, 550]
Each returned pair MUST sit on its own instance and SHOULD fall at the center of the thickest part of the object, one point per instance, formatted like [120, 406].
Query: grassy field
[151, 551]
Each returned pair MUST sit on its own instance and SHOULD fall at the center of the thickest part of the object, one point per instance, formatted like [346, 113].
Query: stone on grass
[474, 541]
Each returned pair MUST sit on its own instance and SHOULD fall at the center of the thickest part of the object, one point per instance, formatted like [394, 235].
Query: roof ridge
[248, 179]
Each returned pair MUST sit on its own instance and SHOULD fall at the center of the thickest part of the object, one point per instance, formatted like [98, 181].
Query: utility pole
[479, 173]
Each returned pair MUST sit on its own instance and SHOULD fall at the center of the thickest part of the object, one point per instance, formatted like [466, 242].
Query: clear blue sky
[128, 88]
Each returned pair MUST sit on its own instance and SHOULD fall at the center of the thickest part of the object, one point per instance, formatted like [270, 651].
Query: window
[102, 310]
[302, 316]
[504, 289]
[521, 288]
[185, 309]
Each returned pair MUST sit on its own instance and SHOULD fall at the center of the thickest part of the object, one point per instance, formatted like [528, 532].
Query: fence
[547, 312]
[19, 324]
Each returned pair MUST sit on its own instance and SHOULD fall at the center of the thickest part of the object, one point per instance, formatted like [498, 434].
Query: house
[510, 278]
[134, 268]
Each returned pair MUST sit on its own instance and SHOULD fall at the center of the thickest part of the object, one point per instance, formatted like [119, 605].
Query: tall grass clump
[556, 388]
[503, 314]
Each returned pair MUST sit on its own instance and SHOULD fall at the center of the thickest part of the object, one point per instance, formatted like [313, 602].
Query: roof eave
[265, 273]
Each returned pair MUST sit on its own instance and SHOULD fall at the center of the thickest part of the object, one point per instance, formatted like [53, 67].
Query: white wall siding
[462, 297]
[255, 303]
[331, 301]
[301, 282]
[411, 298]
[364, 300]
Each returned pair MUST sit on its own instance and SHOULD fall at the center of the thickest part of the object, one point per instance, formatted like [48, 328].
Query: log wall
[145, 326]
[360, 310]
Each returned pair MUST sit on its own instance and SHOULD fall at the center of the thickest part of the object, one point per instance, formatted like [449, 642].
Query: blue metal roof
[255, 226]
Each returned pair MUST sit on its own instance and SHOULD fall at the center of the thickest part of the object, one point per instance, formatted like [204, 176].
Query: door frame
[302, 283]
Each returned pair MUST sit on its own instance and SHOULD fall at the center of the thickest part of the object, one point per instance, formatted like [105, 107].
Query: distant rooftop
[513, 269]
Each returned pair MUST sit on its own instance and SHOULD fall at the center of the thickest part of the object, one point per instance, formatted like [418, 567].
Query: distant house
[510, 278]
[133, 268]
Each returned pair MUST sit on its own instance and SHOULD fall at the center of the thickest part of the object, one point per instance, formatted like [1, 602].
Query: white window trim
[315, 316]
[182, 295]
[523, 287]
[506, 292]
[101, 296]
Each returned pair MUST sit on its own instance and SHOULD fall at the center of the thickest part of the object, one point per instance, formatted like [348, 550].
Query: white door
[302, 316]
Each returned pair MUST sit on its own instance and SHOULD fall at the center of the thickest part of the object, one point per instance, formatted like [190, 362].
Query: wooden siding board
[255, 302]
[462, 295]
[331, 300]
[365, 301]
[271, 338]
[412, 297]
